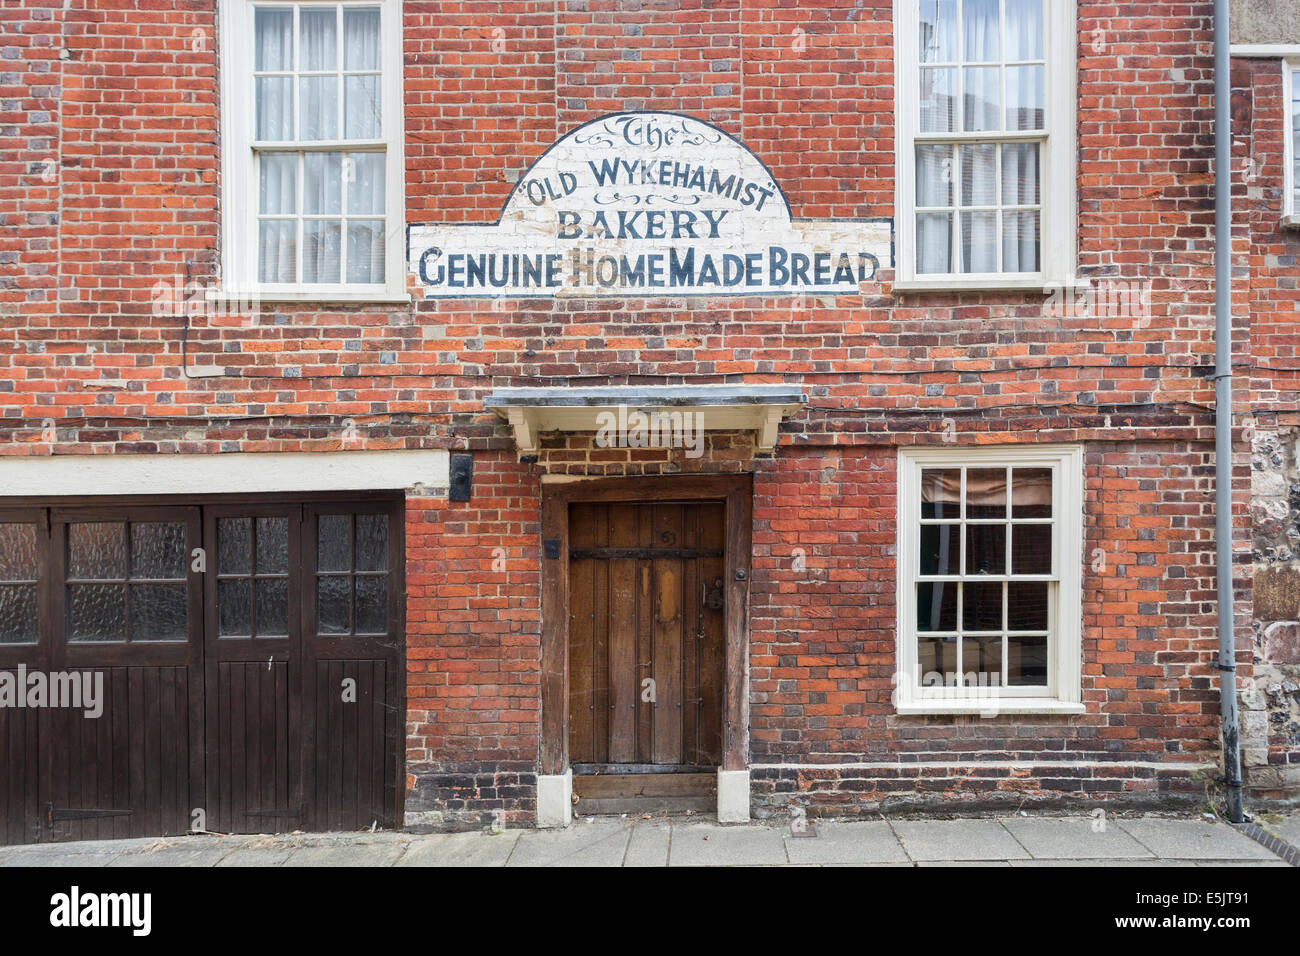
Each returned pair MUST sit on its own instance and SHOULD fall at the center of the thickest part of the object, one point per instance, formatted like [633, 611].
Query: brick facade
[109, 165]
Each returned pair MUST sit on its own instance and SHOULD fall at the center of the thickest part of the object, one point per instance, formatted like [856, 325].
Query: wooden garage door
[249, 656]
[646, 647]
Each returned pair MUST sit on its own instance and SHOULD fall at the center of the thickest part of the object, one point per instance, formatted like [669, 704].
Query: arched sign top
[648, 204]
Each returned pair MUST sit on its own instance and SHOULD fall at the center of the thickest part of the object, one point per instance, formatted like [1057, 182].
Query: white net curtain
[979, 204]
[321, 211]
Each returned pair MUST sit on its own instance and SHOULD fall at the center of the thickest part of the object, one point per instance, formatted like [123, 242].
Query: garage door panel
[351, 726]
[19, 770]
[251, 776]
[126, 772]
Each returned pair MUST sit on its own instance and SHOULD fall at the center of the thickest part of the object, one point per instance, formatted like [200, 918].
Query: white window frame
[239, 266]
[1059, 183]
[1290, 214]
[1063, 693]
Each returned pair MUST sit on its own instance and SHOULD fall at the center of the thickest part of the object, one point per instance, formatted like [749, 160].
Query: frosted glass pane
[97, 550]
[372, 542]
[234, 539]
[158, 612]
[18, 552]
[96, 612]
[18, 621]
[273, 607]
[234, 608]
[158, 549]
[272, 545]
[334, 543]
[372, 605]
[333, 605]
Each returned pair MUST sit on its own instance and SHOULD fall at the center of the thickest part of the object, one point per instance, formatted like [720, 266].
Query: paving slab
[963, 863]
[371, 854]
[173, 856]
[710, 844]
[580, 844]
[1123, 861]
[1074, 838]
[869, 842]
[257, 856]
[958, 840]
[1193, 840]
[461, 849]
[649, 845]
[39, 856]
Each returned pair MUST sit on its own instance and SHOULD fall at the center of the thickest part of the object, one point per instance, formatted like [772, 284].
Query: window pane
[274, 33]
[1031, 549]
[986, 493]
[18, 623]
[981, 606]
[934, 176]
[980, 31]
[986, 549]
[1020, 240]
[1024, 28]
[158, 612]
[318, 99]
[936, 606]
[274, 108]
[321, 250]
[1027, 661]
[97, 550]
[979, 242]
[366, 250]
[333, 596]
[938, 99]
[372, 542]
[18, 552]
[936, 660]
[334, 543]
[979, 174]
[272, 607]
[1020, 174]
[372, 605]
[277, 184]
[1027, 606]
[934, 242]
[96, 612]
[234, 605]
[940, 549]
[158, 549]
[322, 184]
[1031, 493]
[277, 250]
[272, 545]
[318, 39]
[362, 118]
[941, 493]
[1025, 98]
[361, 38]
[983, 98]
[981, 661]
[364, 173]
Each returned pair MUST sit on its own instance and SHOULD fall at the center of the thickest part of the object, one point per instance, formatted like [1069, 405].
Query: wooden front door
[646, 633]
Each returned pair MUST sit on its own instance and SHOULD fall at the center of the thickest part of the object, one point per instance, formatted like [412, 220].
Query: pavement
[1023, 840]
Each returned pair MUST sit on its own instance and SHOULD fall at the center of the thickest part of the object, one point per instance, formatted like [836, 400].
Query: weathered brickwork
[109, 186]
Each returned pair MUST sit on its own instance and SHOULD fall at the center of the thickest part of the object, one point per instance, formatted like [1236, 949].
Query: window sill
[960, 284]
[317, 298]
[991, 707]
[1291, 222]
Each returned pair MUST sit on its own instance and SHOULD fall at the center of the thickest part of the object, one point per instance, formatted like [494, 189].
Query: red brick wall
[132, 113]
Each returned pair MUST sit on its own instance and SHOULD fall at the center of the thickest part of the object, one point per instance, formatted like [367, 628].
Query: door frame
[736, 492]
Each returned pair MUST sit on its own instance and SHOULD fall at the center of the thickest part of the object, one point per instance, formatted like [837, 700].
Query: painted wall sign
[648, 204]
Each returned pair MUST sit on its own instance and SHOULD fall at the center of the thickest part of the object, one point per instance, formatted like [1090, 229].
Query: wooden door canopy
[757, 408]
